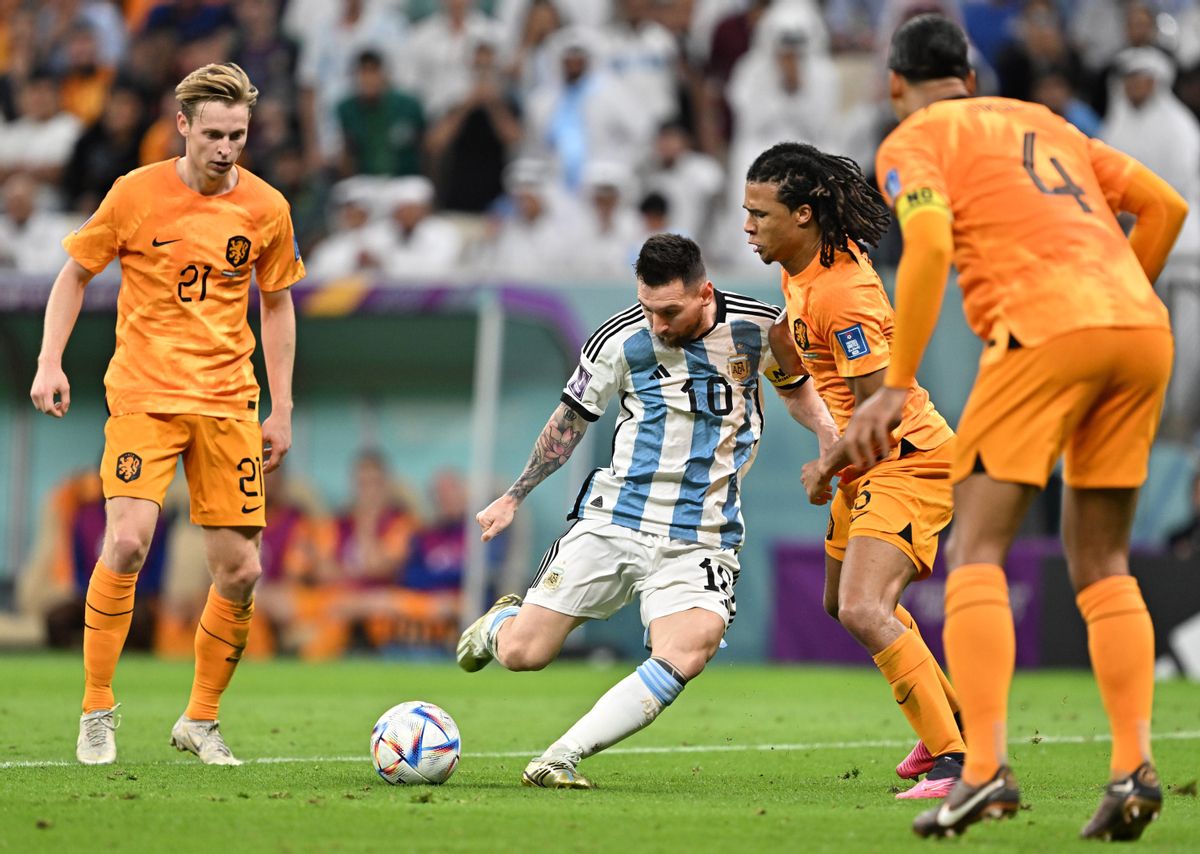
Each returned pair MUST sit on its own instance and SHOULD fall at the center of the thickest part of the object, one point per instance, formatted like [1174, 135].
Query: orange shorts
[905, 501]
[1096, 394]
[222, 458]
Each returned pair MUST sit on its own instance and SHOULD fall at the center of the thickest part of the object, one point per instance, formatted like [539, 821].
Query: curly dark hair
[667, 257]
[845, 205]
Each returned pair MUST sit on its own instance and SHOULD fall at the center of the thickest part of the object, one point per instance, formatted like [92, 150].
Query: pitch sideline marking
[1187, 735]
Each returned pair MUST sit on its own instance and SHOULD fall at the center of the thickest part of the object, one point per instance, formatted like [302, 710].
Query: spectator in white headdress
[421, 245]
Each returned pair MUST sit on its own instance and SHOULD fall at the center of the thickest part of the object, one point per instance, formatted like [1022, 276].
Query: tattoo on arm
[554, 447]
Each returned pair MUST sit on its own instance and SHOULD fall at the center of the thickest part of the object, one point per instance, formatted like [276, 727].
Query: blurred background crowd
[530, 141]
[451, 138]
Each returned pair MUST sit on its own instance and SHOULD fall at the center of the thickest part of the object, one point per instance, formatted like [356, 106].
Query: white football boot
[473, 653]
[97, 742]
[202, 738]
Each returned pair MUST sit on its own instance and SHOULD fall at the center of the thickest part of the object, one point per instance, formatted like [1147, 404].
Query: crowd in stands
[535, 139]
[383, 572]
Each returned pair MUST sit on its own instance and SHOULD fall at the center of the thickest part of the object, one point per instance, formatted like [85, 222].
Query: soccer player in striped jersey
[663, 520]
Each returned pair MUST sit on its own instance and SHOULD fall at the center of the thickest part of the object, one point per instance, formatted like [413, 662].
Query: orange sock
[1121, 645]
[909, 668]
[106, 619]
[981, 649]
[220, 640]
[910, 622]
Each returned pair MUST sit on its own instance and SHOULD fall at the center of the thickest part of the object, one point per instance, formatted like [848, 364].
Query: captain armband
[785, 381]
[920, 199]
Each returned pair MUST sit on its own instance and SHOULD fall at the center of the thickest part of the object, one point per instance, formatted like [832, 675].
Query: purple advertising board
[802, 631]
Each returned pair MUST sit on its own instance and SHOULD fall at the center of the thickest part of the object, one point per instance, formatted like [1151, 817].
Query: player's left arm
[1131, 187]
[920, 286]
[818, 474]
[279, 354]
[277, 268]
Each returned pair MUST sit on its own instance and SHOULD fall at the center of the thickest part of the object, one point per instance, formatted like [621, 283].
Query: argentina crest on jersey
[688, 426]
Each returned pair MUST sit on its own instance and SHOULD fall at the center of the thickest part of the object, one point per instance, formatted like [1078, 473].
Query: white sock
[627, 707]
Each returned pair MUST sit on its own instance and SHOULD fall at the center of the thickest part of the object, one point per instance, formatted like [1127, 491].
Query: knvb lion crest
[237, 250]
[129, 466]
[739, 368]
[800, 332]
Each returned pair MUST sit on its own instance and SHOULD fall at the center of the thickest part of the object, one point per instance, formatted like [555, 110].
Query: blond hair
[224, 81]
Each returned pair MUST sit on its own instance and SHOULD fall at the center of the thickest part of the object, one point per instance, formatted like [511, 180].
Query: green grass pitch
[704, 777]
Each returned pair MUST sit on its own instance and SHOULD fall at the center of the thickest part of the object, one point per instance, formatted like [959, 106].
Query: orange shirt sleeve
[1160, 210]
[98, 240]
[910, 175]
[279, 265]
[920, 286]
[1113, 169]
[853, 326]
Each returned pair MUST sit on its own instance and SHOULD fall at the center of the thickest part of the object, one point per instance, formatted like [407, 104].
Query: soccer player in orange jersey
[189, 233]
[812, 212]
[1076, 361]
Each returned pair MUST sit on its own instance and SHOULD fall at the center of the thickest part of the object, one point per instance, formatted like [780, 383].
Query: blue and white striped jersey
[689, 425]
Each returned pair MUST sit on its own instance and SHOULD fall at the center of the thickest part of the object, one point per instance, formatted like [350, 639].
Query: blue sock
[505, 614]
[663, 680]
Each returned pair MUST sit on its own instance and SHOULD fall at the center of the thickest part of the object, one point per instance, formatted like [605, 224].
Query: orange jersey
[1038, 248]
[842, 322]
[183, 343]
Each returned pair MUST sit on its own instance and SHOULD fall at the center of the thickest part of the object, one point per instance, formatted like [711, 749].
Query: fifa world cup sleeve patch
[579, 382]
[891, 184]
[853, 342]
[920, 199]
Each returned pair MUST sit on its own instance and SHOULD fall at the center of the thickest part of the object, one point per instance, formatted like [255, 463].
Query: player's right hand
[50, 383]
[496, 516]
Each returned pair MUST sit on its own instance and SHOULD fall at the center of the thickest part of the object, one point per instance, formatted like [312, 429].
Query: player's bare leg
[220, 639]
[681, 645]
[532, 638]
[980, 649]
[1096, 531]
[129, 528]
[871, 579]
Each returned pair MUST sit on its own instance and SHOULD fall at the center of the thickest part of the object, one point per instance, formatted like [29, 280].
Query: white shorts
[595, 569]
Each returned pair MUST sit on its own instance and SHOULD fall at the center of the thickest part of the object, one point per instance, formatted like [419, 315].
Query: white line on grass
[1187, 735]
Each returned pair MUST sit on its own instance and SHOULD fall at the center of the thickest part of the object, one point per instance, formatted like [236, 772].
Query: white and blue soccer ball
[415, 743]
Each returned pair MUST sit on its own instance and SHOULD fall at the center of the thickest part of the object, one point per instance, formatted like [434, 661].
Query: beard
[675, 340]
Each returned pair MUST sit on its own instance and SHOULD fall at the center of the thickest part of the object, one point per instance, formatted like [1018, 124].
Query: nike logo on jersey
[246, 509]
[157, 242]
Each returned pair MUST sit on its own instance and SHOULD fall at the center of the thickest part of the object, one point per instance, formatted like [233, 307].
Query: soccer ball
[415, 743]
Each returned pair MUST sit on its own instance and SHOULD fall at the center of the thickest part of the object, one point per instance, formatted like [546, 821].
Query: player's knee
[126, 549]
[862, 618]
[238, 581]
[520, 651]
[831, 605]
[523, 657]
